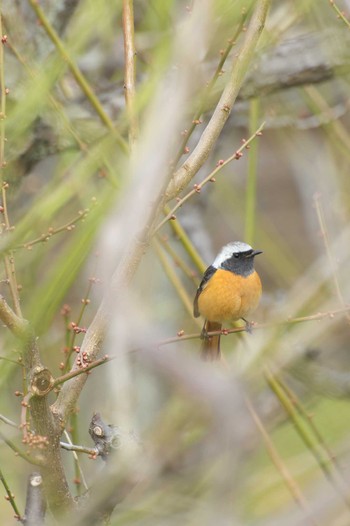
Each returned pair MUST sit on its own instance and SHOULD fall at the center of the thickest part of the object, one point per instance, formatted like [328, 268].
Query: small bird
[230, 290]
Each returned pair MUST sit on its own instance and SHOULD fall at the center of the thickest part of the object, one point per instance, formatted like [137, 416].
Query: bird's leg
[204, 333]
[248, 325]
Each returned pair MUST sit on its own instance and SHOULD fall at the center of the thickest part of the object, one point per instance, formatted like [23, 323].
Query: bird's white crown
[229, 249]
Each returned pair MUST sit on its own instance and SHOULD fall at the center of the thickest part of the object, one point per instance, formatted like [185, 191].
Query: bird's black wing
[207, 275]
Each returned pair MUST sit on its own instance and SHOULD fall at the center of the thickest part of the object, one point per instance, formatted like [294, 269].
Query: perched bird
[230, 290]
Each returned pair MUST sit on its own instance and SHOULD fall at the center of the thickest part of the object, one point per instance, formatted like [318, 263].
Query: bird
[230, 290]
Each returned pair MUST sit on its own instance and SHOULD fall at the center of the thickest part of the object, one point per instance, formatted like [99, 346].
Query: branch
[35, 510]
[20, 452]
[208, 90]
[18, 326]
[85, 368]
[92, 451]
[79, 77]
[10, 497]
[130, 67]
[195, 161]
[255, 326]
[308, 59]
[198, 187]
[340, 14]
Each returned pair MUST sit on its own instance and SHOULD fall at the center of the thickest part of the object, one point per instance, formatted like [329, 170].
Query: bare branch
[130, 67]
[187, 171]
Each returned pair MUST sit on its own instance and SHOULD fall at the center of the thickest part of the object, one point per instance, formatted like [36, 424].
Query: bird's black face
[241, 263]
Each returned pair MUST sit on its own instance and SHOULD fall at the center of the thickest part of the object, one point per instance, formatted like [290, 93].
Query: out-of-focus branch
[35, 510]
[195, 161]
[79, 77]
[309, 59]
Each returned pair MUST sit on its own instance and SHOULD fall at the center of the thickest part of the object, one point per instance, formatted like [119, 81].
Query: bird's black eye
[236, 254]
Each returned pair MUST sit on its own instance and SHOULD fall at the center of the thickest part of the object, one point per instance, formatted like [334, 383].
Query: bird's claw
[248, 326]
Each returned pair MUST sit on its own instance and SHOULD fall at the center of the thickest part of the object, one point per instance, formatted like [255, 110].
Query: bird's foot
[204, 334]
[248, 326]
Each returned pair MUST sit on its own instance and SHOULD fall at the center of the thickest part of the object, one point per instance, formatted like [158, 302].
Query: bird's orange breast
[229, 297]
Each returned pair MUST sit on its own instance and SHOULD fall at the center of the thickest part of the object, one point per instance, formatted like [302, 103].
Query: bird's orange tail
[210, 349]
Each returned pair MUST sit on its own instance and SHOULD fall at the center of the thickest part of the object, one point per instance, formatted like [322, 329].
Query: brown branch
[130, 67]
[53, 231]
[76, 372]
[308, 59]
[208, 90]
[255, 326]
[198, 187]
[195, 161]
[92, 451]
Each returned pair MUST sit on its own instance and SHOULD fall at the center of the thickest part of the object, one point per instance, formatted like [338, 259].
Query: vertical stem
[252, 174]
[332, 263]
[279, 464]
[8, 259]
[10, 497]
[130, 67]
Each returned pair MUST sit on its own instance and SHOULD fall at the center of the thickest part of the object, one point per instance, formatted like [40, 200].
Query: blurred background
[263, 437]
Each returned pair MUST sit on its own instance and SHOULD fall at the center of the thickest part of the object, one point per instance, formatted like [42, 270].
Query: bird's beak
[255, 253]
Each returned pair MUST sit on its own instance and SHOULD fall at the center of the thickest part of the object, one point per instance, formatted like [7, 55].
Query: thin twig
[281, 467]
[339, 13]
[9, 261]
[256, 326]
[10, 497]
[130, 68]
[8, 421]
[79, 449]
[18, 451]
[207, 91]
[70, 333]
[53, 231]
[198, 187]
[76, 372]
[73, 448]
[250, 204]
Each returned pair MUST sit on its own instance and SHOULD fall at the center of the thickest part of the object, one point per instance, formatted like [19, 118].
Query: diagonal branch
[195, 161]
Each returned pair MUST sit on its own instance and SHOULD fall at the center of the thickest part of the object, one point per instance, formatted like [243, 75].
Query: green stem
[79, 77]
[313, 447]
[10, 497]
[173, 277]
